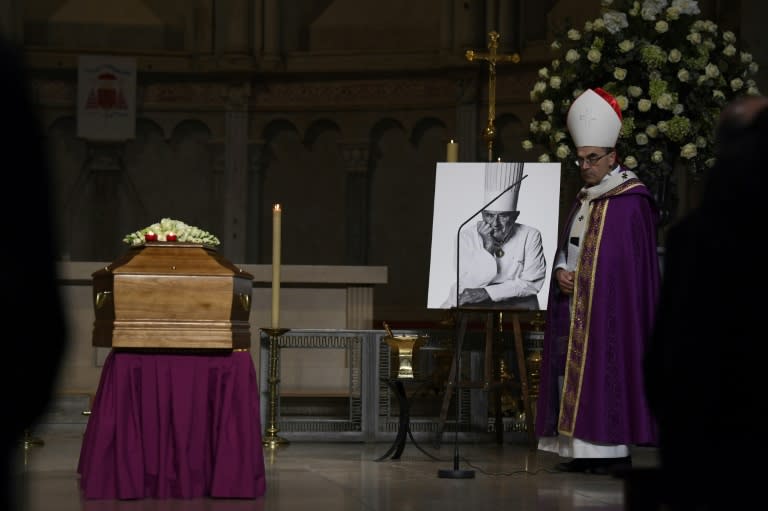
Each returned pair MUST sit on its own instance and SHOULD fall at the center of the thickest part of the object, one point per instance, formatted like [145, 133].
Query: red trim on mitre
[610, 99]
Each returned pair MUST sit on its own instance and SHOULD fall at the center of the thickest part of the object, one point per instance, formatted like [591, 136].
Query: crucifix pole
[492, 56]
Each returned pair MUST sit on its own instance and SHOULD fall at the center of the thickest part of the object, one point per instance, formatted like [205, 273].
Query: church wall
[346, 107]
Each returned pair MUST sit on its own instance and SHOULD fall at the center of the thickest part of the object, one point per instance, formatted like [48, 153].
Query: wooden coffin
[172, 295]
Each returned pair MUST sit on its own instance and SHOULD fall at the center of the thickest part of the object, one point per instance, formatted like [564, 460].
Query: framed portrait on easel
[494, 234]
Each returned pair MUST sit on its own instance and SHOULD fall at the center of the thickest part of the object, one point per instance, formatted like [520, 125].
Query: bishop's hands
[473, 295]
[565, 280]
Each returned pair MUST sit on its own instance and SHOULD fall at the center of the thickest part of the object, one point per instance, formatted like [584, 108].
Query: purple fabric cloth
[600, 353]
[174, 426]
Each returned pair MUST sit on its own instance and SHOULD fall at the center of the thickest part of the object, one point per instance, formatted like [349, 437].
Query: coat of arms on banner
[106, 97]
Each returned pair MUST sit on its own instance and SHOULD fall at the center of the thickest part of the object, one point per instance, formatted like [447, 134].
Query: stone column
[271, 28]
[509, 26]
[12, 20]
[102, 180]
[467, 128]
[232, 24]
[257, 27]
[355, 156]
[235, 173]
[200, 36]
[256, 207]
[446, 26]
[360, 307]
[491, 17]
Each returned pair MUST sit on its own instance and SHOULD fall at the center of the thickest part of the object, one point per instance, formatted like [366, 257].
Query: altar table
[174, 425]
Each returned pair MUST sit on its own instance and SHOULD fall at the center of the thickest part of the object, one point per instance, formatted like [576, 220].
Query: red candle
[170, 237]
[150, 236]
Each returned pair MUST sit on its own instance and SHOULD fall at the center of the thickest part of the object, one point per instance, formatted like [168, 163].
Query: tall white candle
[452, 152]
[276, 214]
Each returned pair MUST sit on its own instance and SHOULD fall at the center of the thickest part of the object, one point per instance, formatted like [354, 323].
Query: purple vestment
[599, 350]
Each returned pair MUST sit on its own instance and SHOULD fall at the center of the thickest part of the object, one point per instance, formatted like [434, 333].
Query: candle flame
[276, 207]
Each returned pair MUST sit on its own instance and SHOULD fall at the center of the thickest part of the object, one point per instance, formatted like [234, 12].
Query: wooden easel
[491, 383]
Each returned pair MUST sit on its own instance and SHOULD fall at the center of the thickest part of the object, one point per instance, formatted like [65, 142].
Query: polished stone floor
[346, 477]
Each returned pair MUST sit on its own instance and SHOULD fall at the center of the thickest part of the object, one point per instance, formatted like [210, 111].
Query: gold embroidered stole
[581, 309]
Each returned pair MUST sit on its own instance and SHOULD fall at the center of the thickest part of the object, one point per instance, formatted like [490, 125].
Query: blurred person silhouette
[502, 261]
[703, 367]
[602, 300]
[34, 322]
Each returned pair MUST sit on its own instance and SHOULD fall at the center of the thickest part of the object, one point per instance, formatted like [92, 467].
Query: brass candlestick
[271, 439]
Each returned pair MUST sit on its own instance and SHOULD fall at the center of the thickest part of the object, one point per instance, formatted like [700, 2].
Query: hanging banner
[106, 98]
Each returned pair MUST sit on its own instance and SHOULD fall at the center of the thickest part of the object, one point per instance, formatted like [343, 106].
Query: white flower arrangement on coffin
[170, 230]
[670, 72]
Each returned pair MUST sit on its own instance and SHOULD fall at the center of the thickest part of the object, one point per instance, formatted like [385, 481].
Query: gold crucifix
[492, 57]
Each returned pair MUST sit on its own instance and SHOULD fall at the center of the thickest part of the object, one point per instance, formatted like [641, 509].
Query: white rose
[545, 126]
[619, 73]
[746, 57]
[527, 145]
[641, 139]
[688, 151]
[701, 142]
[574, 35]
[665, 101]
[544, 73]
[673, 13]
[558, 136]
[630, 162]
[594, 55]
[683, 75]
[657, 157]
[729, 51]
[626, 45]
[678, 109]
[644, 105]
[694, 37]
[729, 37]
[562, 151]
[674, 55]
[634, 91]
[736, 84]
[652, 130]
[547, 106]
[661, 26]
[622, 101]
[544, 158]
[555, 82]
[572, 56]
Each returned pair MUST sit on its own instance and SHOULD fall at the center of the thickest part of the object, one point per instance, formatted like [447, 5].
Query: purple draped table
[174, 426]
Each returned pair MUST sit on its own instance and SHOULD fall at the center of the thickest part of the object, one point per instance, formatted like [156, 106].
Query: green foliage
[670, 71]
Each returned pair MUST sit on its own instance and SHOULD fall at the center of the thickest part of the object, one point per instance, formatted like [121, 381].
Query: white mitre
[593, 120]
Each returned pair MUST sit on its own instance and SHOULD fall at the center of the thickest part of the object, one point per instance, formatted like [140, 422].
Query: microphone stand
[456, 472]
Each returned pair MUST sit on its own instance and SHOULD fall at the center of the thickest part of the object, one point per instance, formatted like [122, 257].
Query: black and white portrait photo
[508, 213]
